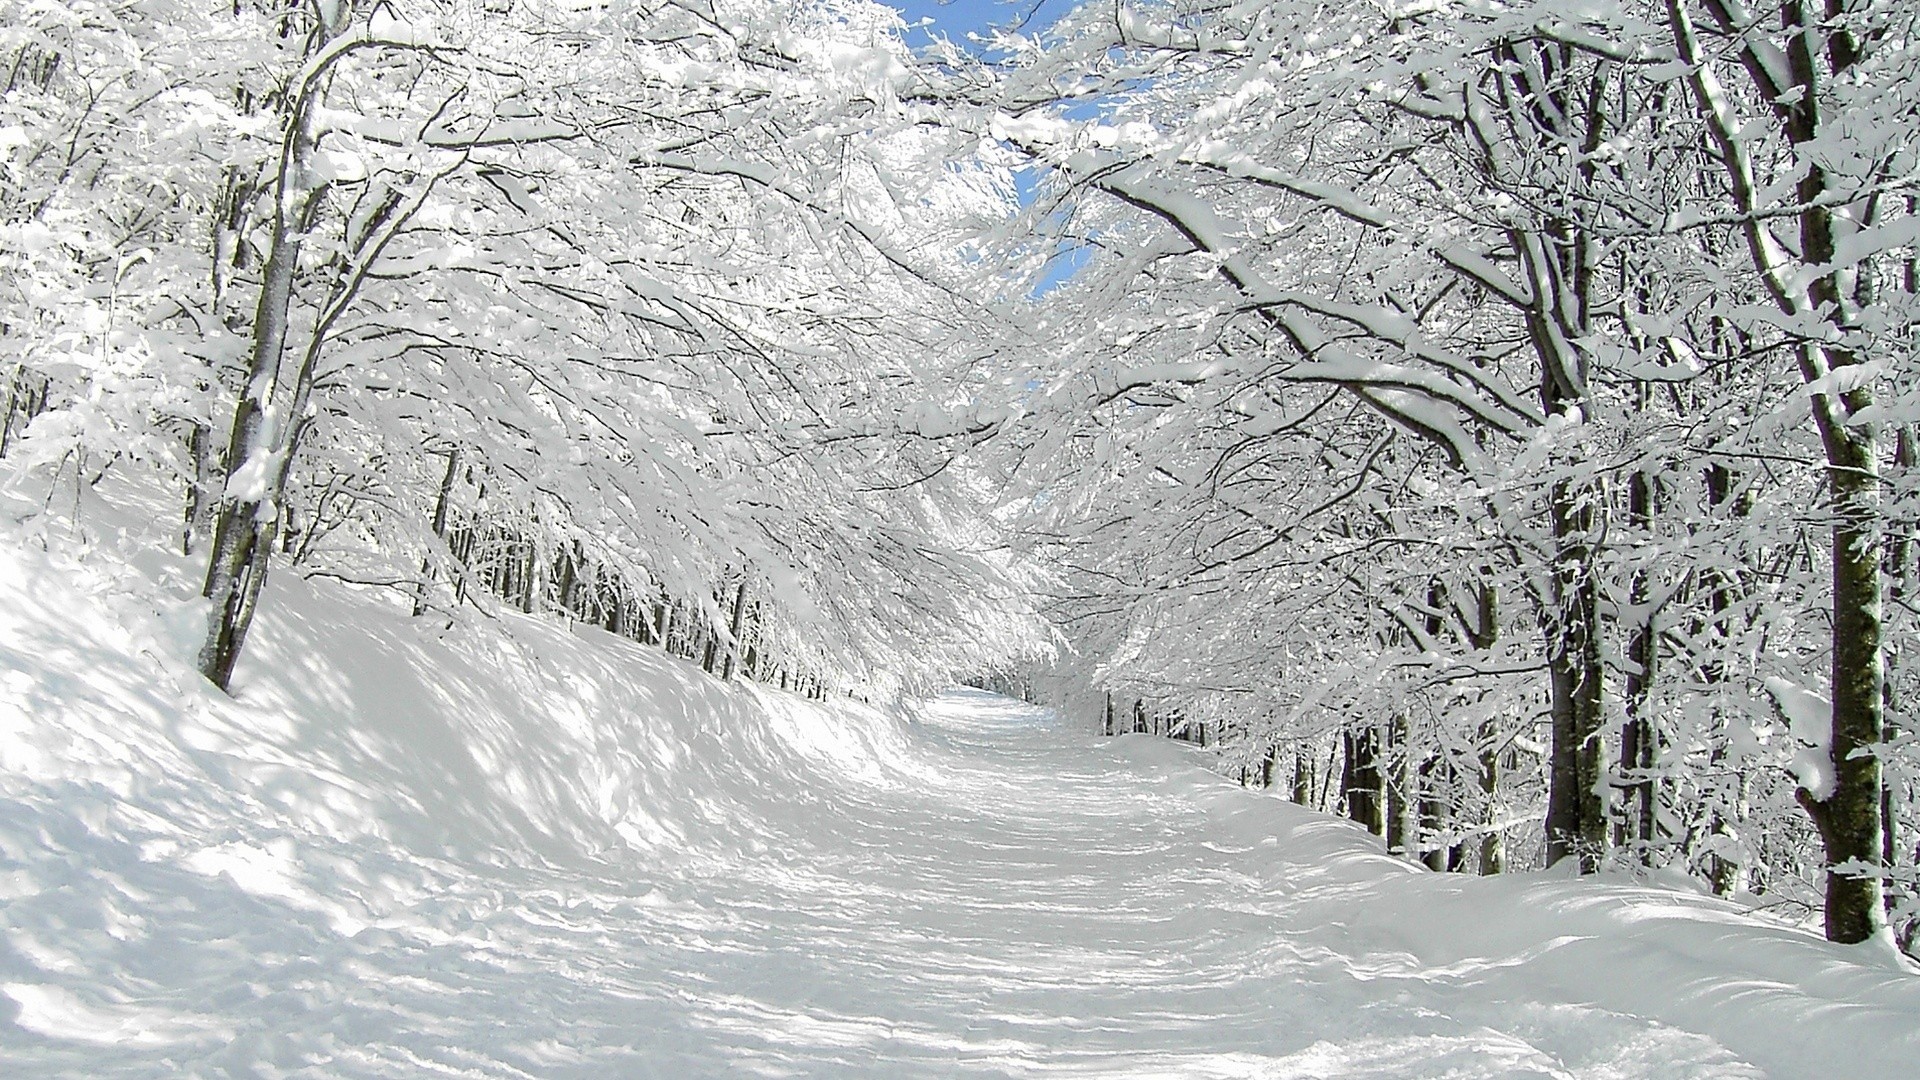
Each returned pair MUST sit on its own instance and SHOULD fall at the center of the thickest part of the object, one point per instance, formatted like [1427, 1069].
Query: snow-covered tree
[671, 297]
[1493, 228]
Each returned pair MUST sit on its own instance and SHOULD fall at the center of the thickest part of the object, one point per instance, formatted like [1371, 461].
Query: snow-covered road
[1045, 906]
[553, 854]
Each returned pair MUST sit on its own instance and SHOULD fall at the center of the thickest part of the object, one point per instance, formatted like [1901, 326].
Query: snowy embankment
[510, 848]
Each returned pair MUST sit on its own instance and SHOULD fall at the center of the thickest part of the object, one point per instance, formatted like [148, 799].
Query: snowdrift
[161, 842]
[503, 739]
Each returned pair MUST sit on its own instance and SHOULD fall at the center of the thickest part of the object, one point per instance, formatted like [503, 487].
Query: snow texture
[512, 849]
[1808, 716]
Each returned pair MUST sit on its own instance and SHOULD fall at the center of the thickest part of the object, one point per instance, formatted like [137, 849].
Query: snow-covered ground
[508, 848]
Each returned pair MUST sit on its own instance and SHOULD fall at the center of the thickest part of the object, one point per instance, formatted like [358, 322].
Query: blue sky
[956, 18]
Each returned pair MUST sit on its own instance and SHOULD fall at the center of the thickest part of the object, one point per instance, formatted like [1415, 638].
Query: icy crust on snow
[508, 848]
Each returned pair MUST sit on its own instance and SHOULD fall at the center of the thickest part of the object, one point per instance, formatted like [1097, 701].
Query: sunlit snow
[506, 848]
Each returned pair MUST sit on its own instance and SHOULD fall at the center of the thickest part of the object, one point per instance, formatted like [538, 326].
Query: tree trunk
[440, 504]
[1634, 828]
[1849, 817]
[751, 660]
[1362, 780]
[26, 398]
[259, 452]
[1483, 632]
[1432, 821]
[1724, 873]
[1402, 833]
[269, 416]
[1493, 842]
[1576, 810]
[736, 626]
[532, 573]
[1899, 585]
[565, 576]
[13, 404]
[201, 501]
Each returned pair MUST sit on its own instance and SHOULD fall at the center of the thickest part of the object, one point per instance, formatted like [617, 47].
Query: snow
[511, 848]
[1809, 717]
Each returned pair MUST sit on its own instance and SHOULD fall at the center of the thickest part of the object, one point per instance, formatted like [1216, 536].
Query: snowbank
[495, 739]
[160, 842]
[1778, 1000]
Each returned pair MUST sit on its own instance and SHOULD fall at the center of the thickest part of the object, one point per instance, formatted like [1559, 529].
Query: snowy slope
[507, 848]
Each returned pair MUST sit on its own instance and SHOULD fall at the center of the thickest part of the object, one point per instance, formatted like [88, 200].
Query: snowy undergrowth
[508, 847]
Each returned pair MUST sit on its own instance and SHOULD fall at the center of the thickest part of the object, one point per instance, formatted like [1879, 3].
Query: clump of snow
[1809, 720]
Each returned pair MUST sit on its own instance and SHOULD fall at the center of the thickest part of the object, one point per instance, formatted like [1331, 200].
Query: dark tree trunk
[26, 398]
[1849, 818]
[736, 626]
[1576, 810]
[1899, 584]
[202, 503]
[1483, 632]
[564, 576]
[1432, 821]
[1634, 829]
[1396, 784]
[751, 661]
[1362, 785]
[530, 574]
[1724, 874]
[1493, 842]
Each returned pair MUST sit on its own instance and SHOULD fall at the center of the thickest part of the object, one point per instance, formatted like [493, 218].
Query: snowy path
[1037, 910]
[378, 865]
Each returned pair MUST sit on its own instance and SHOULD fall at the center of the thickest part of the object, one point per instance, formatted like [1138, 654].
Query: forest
[1495, 421]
